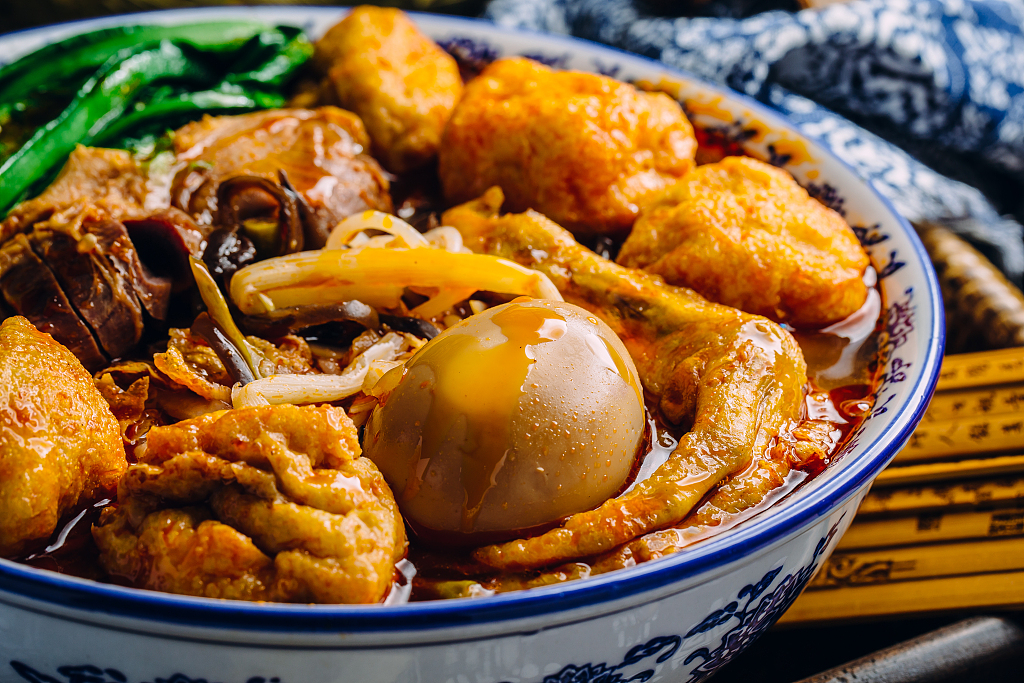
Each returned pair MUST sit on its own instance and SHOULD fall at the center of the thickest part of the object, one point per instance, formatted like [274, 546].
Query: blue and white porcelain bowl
[676, 619]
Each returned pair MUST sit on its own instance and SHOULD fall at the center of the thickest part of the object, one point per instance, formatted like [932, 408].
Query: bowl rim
[710, 555]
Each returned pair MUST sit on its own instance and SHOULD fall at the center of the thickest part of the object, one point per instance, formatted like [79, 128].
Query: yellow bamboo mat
[942, 529]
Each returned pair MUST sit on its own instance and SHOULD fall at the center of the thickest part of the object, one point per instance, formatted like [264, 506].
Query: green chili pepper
[76, 58]
[289, 49]
[101, 101]
[187, 106]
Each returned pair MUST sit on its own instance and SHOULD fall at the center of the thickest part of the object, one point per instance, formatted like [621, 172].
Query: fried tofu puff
[585, 150]
[745, 234]
[59, 442]
[267, 503]
[400, 83]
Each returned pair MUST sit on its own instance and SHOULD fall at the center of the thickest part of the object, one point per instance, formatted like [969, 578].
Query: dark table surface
[792, 654]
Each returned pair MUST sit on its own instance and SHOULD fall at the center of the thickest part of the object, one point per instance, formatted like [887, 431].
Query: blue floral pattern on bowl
[88, 673]
[751, 620]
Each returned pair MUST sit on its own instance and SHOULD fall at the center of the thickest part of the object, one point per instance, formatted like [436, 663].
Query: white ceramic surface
[676, 619]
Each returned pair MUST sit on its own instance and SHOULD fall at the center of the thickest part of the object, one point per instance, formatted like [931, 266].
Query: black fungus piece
[423, 329]
[285, 320]
[262, 210]
[226, 253]
[228, 353]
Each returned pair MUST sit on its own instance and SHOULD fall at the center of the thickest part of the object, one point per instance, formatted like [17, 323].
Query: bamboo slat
[1003, 590]
[886, 565]
[1002, 492]
[950, 438]
[930, 527]
[951, 471]
[985, 368]
[968, 403]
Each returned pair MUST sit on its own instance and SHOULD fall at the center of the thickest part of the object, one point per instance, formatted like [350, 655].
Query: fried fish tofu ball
[266, 503]
[585, 150]
[745, 234]
[59, 442]
[400, 83]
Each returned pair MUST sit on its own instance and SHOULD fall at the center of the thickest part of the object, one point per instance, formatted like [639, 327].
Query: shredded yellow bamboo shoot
[377, 277]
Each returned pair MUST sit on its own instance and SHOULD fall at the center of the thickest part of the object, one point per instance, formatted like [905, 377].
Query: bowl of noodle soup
[678, 617]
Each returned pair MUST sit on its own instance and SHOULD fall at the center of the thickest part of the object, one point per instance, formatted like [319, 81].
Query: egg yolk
[507, 422]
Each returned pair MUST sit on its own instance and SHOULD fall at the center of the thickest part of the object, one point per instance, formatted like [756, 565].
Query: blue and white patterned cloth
[940, 81]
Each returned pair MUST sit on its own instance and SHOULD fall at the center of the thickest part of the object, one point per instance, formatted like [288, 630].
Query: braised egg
[508, 421]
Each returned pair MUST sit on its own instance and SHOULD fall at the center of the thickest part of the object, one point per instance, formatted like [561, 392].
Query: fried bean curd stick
[735, 379]
[735, 499]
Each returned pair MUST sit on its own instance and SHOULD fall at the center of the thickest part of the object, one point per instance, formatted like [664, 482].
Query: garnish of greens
[121, 84]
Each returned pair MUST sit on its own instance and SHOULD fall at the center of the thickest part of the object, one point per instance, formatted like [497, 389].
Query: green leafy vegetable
[185, 106]
[101, 101]
[156, 76]
[78, 57]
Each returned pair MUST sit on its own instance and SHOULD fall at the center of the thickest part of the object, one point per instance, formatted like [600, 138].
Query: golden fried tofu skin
[185, 551]
[585, 150]
[402, 85]
[266, 503]
[745, 234]
[59, 442]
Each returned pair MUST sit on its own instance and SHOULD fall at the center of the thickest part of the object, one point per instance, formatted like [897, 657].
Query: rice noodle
[301, 389]
[344, 233]
[446, 237]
